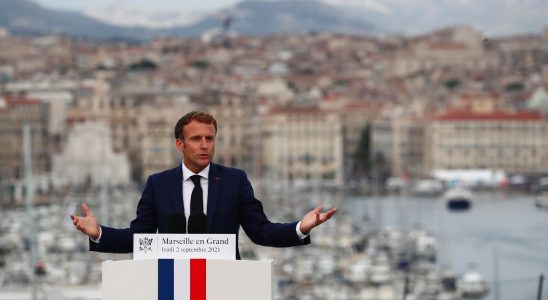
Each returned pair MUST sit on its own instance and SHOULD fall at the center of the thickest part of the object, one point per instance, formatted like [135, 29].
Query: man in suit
[225, 202]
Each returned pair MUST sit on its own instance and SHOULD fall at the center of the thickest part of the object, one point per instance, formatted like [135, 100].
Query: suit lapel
[177, 196]
[213, 192]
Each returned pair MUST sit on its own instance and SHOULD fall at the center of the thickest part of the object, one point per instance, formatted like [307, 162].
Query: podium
[187, 279]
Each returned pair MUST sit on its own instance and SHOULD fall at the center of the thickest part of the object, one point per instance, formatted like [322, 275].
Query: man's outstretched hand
[87, 224]
[314, 218]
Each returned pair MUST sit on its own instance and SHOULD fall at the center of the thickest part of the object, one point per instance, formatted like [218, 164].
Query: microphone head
[197, 223]
[177, 223]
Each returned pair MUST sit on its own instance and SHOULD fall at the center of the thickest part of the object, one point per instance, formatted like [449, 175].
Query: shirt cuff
[301, 235]
[98, 240]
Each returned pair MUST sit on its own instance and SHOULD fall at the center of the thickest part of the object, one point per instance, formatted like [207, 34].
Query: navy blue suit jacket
[231, 203]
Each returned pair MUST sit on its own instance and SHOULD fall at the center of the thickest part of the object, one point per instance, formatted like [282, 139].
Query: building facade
[515, 142]
[88, 158]
[302, 145]
[402, 143]
[16, 112]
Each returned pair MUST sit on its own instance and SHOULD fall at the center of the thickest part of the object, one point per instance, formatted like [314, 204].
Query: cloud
[492, 17]
[371, 5]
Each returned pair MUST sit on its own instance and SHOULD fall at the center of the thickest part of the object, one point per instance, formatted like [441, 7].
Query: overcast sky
[159, 5]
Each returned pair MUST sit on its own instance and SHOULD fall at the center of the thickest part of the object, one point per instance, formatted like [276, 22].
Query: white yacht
[472, 286]
[541, 201]
[428, 188]
[458, 199]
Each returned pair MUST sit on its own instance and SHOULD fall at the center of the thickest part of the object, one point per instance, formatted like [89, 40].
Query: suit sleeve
[115, 240]
[257, 226]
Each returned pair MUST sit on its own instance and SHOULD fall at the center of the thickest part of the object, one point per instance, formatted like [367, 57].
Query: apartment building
[133, 125]
[515, 142]
[458, 47]
[402, 143]
[304, 144]
[88, 157]
[15, 112]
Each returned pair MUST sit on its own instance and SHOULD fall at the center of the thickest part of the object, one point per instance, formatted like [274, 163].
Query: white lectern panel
[224, 279]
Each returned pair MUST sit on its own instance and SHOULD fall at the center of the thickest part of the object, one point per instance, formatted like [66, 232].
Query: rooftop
[467, 115]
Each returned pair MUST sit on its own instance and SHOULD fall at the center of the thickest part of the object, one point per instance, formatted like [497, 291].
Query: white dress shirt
[188, 186]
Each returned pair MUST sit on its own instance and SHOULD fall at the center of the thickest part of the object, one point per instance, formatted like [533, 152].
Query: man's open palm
[314, 218]
[87, 224]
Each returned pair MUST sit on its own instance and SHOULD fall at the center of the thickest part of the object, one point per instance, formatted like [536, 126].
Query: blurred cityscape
[316, 118]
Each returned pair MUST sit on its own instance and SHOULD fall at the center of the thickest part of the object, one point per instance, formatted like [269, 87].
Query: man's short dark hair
[199, 116]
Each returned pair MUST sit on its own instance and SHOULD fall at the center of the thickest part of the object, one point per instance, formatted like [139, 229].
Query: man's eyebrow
[201, 135]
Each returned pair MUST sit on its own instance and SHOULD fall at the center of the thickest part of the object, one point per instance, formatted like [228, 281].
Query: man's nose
[203, 143]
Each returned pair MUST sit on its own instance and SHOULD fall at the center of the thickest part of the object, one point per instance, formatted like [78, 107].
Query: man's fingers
[327, 215]
[331, 212]
[86, 210]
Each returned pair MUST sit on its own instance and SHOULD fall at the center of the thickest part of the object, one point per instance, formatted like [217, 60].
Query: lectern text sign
[184, 246]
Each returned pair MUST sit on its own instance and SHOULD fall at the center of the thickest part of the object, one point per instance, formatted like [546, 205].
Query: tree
[143, 65]
[200, 64]
[452, 84]
[363, 151]
[514, 87]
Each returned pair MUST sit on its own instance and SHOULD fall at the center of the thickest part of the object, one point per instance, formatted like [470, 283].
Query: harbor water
[504, 238]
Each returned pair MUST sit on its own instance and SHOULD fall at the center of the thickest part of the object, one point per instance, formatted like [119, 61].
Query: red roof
[372, 106]
[331, 98]
[466, 115]
[21, 101]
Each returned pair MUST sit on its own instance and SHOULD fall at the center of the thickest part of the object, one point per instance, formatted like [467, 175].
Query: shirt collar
[187, 173]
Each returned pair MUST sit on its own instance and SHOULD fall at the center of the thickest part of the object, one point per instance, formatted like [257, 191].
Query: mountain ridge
[256, 18]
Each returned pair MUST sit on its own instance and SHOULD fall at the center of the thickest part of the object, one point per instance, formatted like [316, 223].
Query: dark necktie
[197, 221]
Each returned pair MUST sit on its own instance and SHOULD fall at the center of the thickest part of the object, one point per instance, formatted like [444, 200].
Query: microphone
[177, 223]
[197, 223]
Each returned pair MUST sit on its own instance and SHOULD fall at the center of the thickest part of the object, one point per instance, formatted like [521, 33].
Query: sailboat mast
[29, 195]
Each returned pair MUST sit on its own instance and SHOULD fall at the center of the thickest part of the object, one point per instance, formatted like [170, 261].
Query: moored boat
[458, 199]
[472, 286]
[428, 188]
[541, 201]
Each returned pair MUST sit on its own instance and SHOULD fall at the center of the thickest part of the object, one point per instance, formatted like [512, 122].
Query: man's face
[197, 146]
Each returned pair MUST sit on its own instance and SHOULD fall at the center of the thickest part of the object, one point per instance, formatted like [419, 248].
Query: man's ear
[180, 144]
